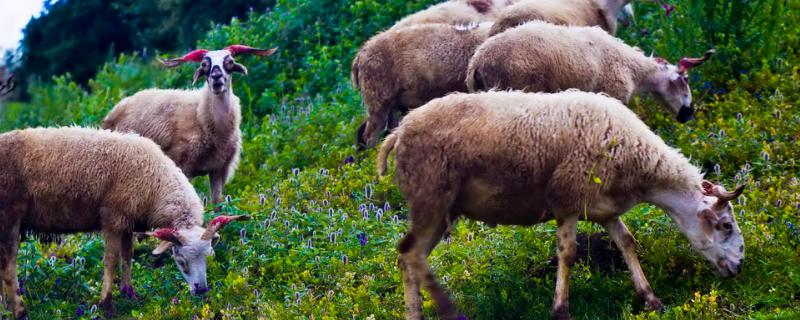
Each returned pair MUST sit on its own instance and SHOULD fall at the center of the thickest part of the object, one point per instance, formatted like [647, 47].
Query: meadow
[322, 241]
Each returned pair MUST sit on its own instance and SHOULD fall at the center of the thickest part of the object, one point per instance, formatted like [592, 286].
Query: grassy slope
[302, 256]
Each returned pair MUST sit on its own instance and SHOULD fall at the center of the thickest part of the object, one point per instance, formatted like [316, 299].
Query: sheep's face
[192, 259]
[190, 251]
[671, 89]
[217, 67]
[712, 230]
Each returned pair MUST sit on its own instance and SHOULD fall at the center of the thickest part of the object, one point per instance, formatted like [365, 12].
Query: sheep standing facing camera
[514, 158]
[198, 129]
[542, 57]
[71, 180]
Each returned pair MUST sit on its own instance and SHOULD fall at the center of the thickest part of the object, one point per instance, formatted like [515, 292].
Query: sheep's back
[522, 139]
[68, 174]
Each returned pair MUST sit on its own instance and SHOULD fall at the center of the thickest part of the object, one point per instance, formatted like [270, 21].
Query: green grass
[303, 182]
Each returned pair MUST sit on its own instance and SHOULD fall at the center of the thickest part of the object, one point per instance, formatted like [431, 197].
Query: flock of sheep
[549, 140]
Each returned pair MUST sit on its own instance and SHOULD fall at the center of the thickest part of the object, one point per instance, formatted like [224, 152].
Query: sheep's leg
[567, 228]
[217, 179]
[414, 249]
[9, 246]
[110, 259]
[627, 244]
[126, 258]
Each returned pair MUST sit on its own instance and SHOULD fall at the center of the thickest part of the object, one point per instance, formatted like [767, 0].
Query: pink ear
[194, 56]
[165, 234]
[220, 221]
[238, 49]
[708, 188]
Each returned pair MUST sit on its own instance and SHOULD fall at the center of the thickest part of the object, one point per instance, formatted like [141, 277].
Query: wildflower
[765, 155]
[368, 191]
[344, 259]
[175, 300]
[448, 239]
[379, 215]
[286, 223]
[228, 198]
[365, 215]
[326, 203]
[261, 199]
[205, 200]
[200, 290]
[330, 294]
[330, 212]
[721, 133]
[79, 312]
[668, 8]
[273, 215]
[243, 234]
[344, 217]
[739, 116]
[362, 238]
[395, 218]
[362, 207]
[717, 168]
[295, 171]
[256, 293]
[332, 237]
[779, 203]
[308, 244]
[386, 207]
[349, 159]
[278, 201]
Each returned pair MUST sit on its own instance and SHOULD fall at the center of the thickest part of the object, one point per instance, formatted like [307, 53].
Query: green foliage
[78, 36]
[309, 191]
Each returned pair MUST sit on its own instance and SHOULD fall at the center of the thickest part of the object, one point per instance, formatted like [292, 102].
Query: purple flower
[668, 8]
[349, 159]
[344, 259]
[175, 300]
[362, 238]
[79, 312]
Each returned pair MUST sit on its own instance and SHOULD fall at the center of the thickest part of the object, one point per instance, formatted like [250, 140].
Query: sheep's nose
[685, 114]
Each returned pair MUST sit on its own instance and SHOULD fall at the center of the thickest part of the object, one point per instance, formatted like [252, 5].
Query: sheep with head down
[514, 158]
[542, 57]
[72, 180]
[198, 129]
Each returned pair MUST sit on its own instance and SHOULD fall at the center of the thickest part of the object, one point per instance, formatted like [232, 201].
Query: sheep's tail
[473, 80]
[386, 148]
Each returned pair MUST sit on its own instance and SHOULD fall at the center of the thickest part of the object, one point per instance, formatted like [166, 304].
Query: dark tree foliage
[78, 36]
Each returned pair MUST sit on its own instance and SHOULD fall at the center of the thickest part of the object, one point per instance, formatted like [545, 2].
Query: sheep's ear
[200, 72]
[239, 68]
[162, 247]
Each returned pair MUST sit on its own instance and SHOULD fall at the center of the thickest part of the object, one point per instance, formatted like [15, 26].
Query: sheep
[70, 180]
[538, 56]
[456, 12]
[515, 158]
[602, 13]
[198, 129]
[398, 70]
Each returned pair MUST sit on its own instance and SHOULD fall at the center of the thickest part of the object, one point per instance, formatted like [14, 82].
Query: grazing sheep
[198, 129]
[602, 13]
[402, 69]
[539, 56]
[456, 12]
[70, 180]
[521, 158]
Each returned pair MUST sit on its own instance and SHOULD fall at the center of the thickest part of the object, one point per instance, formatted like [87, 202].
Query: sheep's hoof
[560, 313]
[108, 307]
[654, 305]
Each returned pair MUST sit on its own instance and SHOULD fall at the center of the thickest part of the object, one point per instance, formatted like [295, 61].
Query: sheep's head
[711, 228]
[191, 248]
[219, 65]
[671, 85]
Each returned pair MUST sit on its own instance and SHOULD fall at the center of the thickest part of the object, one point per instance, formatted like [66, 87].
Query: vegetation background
[322, 242]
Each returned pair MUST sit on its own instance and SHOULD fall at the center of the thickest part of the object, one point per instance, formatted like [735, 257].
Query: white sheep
[402, 69]
[602, 13]
[70, 180]
[539, 56]
[515, 158]
[198, 129]
[456, 12]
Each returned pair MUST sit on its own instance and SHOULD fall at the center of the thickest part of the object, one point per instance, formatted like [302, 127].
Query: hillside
[322, 244]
